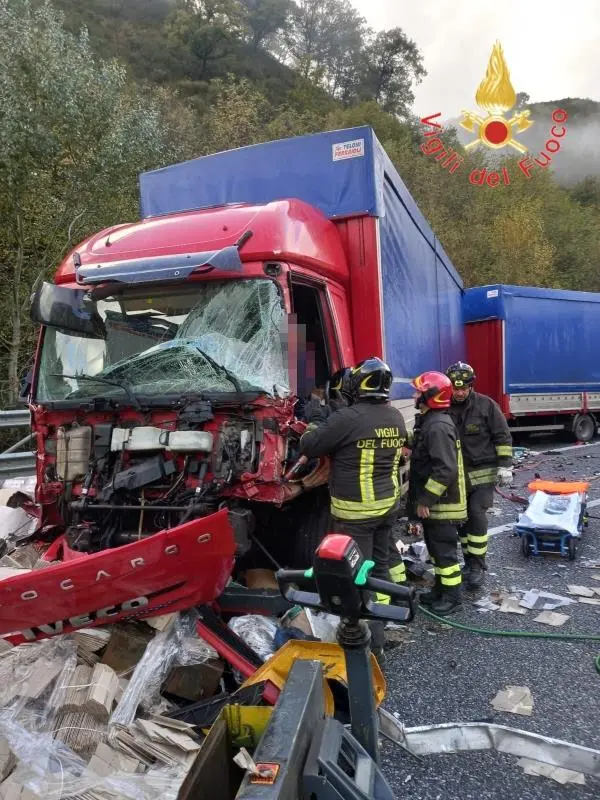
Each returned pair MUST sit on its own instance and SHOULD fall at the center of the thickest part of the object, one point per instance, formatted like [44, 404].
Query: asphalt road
[446, 675]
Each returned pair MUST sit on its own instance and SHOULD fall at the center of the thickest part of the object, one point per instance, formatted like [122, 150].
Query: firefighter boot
[449, 602]
[475, 577]
[468, 566]
[433, 595]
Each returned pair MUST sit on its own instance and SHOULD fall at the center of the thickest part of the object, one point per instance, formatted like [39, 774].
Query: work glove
[505, 476]
[315, 412]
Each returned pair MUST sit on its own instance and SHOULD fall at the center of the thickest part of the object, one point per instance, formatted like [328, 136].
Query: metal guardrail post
[13, 464]
[15, 419]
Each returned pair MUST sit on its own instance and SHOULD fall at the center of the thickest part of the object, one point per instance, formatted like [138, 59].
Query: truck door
[317, 348]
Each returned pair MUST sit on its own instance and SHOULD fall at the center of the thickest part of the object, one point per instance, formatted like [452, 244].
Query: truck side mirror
[70, 311]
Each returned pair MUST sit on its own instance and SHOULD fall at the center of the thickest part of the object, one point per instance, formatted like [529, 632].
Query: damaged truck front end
[164, 420]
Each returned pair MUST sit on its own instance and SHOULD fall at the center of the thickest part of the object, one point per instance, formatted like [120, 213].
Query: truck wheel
[572, 549]
[525, 546]
[584, 427]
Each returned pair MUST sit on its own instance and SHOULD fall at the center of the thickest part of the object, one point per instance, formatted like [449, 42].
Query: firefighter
[438, 488]
[487, 451]
[365, 440]
[337, 396]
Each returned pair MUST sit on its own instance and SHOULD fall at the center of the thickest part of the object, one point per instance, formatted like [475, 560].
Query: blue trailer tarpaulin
[551, 336]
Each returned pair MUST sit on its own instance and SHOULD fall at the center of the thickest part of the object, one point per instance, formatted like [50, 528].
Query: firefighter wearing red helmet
[365, 440]
[438, 488]
[487, 451]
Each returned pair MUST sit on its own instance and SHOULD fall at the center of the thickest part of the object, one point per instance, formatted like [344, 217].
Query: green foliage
[75, 135]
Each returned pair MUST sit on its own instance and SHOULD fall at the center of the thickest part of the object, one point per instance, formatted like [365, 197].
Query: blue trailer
[537, 353]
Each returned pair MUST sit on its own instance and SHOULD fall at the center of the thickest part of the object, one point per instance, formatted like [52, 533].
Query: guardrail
[14, 464]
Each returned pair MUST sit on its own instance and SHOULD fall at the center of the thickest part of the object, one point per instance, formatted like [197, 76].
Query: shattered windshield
[211, 336]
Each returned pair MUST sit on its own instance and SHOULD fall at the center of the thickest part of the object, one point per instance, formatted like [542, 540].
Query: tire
[584, 428]
[525, 546]
[572, 549]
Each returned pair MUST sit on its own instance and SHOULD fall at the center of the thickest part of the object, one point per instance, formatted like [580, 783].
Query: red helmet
[435, 389]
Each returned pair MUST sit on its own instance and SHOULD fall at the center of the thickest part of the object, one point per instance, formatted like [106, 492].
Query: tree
[392, 64]
[522, 101]
[208, 28]
[264, 18]
[323, 40]
[74, 137]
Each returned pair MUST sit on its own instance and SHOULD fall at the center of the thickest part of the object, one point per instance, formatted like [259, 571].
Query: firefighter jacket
[365, 442]
[485, 438]
[437, 474]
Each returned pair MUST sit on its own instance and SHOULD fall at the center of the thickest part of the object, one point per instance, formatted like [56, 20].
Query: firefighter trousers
[474, 532]
[373, 539]
[441, 539]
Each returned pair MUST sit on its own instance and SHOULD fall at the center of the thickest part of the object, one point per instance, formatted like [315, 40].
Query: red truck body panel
[485, 353]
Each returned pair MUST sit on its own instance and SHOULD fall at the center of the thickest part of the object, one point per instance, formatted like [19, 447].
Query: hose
[565, 637]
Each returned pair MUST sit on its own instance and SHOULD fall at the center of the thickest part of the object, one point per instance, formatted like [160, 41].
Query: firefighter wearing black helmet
[365, 440]
[487, 451]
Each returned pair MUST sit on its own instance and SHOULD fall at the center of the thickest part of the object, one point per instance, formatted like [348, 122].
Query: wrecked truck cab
[159, 398]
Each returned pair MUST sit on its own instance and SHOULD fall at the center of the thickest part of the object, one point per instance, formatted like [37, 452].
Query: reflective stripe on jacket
[365, 442]
[437, 473]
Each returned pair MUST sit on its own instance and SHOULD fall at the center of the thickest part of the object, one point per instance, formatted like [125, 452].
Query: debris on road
[558, 774]
[514, 700]
[545, 601]
[511, 605]
[551, 618]
[580, 591]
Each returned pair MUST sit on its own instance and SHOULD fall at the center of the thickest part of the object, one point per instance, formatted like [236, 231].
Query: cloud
[551, 46]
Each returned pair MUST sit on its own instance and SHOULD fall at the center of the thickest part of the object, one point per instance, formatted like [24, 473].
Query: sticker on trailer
[492, 293]
[344, 150]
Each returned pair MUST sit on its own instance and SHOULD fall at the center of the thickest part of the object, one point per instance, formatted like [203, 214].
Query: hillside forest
[92, 92]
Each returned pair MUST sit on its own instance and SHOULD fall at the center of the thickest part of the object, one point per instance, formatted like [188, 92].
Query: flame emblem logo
[496, 96]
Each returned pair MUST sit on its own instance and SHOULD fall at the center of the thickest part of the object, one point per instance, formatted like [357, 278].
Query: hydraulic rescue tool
[303, 754]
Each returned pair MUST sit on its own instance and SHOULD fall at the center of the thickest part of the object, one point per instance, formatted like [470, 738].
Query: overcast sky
[551, 47]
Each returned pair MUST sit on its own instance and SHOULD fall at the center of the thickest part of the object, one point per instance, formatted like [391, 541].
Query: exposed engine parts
[128, 481]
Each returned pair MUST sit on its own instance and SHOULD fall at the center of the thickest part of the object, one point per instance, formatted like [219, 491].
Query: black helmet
[371, 379]
[461, 375]
[336, 388]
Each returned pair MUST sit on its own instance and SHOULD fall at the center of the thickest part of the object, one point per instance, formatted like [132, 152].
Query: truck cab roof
[283, 230]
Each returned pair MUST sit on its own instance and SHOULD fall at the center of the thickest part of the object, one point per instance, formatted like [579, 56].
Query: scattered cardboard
[552, 618]
[126, 647]
[580, 591]
[514, 700]
[510, 605]
[590, 601]
[195, 681]
[261, 579]
[161, 623]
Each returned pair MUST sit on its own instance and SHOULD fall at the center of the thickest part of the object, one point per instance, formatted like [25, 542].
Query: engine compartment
[109, 479]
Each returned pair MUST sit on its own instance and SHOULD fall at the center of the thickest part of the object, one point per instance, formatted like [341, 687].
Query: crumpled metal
[458, 737]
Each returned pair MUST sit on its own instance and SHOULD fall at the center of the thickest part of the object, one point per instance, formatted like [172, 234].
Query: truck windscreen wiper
[220, 368]
[134, 401]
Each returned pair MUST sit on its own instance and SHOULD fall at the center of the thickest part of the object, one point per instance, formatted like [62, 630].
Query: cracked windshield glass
[173, 342]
